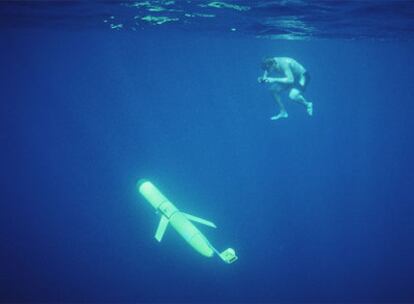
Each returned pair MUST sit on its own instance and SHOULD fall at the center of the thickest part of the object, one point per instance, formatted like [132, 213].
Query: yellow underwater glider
[181, 222]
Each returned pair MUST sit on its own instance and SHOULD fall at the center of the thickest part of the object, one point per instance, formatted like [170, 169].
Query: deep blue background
[318, 208]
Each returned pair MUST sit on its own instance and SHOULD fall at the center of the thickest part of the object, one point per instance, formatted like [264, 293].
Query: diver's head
[269, 64]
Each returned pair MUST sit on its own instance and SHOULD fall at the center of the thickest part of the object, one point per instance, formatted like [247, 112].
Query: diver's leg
[282, 113]
[297, 96]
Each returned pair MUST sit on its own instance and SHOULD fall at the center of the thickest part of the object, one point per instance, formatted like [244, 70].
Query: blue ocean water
[317, 208]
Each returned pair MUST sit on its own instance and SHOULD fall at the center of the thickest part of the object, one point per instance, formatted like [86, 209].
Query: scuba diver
[287, 75]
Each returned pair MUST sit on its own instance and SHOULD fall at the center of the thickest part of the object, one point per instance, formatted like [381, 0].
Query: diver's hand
[263, 79]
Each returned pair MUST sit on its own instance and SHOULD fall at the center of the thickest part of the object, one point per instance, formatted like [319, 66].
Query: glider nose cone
[141, 182]
[201, 245]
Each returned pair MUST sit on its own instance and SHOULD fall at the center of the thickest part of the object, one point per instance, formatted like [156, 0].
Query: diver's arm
[288, 79]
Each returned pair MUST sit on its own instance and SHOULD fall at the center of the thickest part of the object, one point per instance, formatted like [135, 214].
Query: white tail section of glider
[228, 256]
